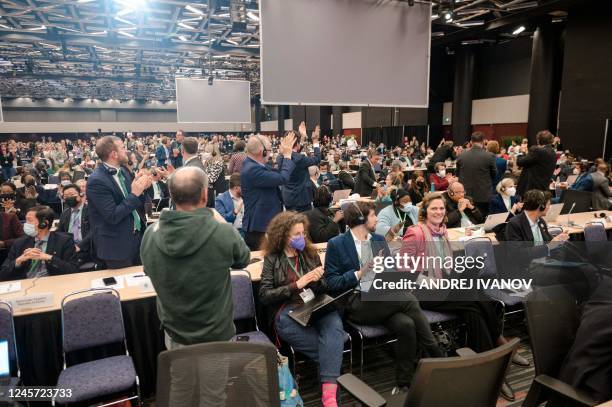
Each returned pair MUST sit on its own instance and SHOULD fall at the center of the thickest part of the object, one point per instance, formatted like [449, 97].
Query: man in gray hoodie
[188, 255]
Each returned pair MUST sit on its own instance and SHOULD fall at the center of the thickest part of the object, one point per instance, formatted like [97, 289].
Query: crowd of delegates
[275, 193]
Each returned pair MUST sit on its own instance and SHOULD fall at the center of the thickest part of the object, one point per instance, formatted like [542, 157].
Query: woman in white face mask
[506, 199]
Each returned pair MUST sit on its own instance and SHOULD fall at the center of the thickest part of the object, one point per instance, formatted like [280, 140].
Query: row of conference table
[38, 330]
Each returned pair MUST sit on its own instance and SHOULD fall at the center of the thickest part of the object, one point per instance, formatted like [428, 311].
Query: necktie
[135, 215]
[38, 268]
[75, 228]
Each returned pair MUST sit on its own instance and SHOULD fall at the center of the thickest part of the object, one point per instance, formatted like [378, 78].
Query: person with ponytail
[292, 273]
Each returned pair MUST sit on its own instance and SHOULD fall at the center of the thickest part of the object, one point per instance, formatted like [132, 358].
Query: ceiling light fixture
[521, 6]
[474, 23]
[123, 20]
[5, 26]
[434, 16]
[193, 9]
[231, 41]
[182, 38]
[42, 27]
[126, 34]
[99, 33]
[448, 16]
[185, 26]
[253, 16]
[518, 30]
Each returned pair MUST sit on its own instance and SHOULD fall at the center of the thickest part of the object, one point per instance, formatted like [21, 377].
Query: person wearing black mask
[418, 187]
[10, 227]
[323, 223]
[74, 220]
[26, 196]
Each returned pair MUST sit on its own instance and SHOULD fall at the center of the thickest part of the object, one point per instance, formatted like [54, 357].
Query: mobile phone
[109, 281]
[242, 338]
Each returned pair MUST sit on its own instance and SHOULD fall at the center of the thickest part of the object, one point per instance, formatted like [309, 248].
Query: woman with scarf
[429, 238]
[292, 275]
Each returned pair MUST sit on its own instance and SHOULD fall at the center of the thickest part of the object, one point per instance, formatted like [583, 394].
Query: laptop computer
[303, 313]
[553, 212]
[494, 220]
[571, 179]
[340, 194]
[162, 204]
[5, 366]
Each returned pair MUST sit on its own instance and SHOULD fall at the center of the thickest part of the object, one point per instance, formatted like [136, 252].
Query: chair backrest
[7, 332]
[482, 247]
[92, 319]
[595, 232]
[242, 295]
[240, 373]
[552, 319]
[582, 199]
[461, 381]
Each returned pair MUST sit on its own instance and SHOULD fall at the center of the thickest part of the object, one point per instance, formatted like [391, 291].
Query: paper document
[10, 287]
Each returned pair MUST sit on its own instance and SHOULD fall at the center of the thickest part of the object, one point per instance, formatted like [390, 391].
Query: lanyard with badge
[306, 294]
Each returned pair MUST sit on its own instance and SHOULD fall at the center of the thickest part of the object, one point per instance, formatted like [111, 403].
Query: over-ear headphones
[360, 219]
[265, 150]
[542, 201]
[600, 215]
[111, 170]
[42, 225]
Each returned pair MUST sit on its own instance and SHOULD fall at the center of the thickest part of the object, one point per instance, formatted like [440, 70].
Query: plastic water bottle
[432, 188]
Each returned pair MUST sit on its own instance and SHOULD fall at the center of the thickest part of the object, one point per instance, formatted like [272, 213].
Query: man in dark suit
[75, 221]
[158, 189]
[162, 153]
[191, 158]
[259, 184]
[538, 164]
[460, 209]
[176, 158]
[41, 252]
[476, 170]
[345, 179]
[366, 177]
[601, 188]
[116, 206]
[296, 194]
[347, 261]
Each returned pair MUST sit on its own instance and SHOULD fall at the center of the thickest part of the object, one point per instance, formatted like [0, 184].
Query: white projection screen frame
[225, 101]
[345, 52]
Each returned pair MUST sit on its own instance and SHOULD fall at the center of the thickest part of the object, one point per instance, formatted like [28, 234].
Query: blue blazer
[225, 206]
[110, 216]
[295, 191]
[160, 155]
[496, 205]
[260, 193]
[342, 261]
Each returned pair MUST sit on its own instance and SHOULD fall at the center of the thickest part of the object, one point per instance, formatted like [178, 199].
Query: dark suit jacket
[497, 204]
[476, 170]
[454, 216]
[160, 155]
[322, 227]
[342, 261]
[10, 229]
[365, 178]
[163, 191]
[60, 245]
[538, 167]
[110, 216]
[194, 162]
[260, 193]
[64, 226]
[518, 230]
[295, 192]
[441, 154]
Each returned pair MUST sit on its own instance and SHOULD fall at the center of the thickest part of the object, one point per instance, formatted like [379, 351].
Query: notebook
[553, 212]
[494, 220]
[341, 194]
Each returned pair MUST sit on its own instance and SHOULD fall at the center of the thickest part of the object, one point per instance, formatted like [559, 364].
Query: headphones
[360, 219]
[111, 171]
[449, 190]
[265, 150]
[600, 215]
[542, 199]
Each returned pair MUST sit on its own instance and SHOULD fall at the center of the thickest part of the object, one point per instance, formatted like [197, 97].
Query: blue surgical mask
[298, 243]
[406, 208]
[29, 229]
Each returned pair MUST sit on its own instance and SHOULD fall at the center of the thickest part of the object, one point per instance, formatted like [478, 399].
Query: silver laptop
[494, 220]
[553, 212]
[341, 194]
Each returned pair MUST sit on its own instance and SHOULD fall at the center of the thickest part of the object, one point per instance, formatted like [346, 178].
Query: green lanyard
[297, 267]
[399, 214]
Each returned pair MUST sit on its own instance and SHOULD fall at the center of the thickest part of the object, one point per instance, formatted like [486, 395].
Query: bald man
[460, 209]
[260, 185]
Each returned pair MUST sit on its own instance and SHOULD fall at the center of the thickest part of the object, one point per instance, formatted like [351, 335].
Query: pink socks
[329, 395]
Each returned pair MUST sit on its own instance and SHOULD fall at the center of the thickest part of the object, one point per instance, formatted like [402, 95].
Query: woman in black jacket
[324, 224]
[292, 274]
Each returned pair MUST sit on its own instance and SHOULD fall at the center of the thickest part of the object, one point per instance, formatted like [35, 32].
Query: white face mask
[511, 191]
[406, 208]
[29, 229]
[576, 171]
[442, 173]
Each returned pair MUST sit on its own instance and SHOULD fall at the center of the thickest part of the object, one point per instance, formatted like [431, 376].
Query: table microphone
[569, 222]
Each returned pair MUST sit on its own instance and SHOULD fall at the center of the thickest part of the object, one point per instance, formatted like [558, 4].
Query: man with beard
[116, 206]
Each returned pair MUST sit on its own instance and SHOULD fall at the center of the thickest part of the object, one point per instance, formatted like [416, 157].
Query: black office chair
[219, 373]
[472, 379]
[552, 319]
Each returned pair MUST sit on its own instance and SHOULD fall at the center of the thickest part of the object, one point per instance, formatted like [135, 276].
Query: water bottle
[432, 188]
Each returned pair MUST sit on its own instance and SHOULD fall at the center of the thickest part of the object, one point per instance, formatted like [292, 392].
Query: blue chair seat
[97, 378]
[370, 331]
[506, 298]
[254, 336]
[434, 317]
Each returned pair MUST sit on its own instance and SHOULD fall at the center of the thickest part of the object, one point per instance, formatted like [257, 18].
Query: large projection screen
[345, 52]
[225, 101]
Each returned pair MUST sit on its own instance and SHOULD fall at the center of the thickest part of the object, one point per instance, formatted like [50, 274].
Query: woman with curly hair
[292, 272]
